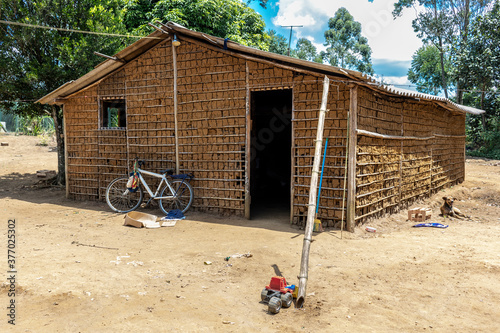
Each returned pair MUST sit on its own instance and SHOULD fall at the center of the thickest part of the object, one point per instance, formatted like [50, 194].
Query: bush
[490, 147]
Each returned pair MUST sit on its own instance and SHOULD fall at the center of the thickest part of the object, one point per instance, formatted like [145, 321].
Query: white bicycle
[173, 192]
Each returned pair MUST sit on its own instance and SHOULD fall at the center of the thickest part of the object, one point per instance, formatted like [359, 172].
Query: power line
[19, 101]
[480, 91]
[70, 30]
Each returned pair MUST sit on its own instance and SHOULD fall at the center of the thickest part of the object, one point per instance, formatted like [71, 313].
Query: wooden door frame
[248, 145]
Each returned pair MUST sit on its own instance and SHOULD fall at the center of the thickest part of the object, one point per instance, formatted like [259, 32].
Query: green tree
[231, 19]
[347, 48]
[471, 43]
[306, 50]
[445, 24]
[35, 61]
[479, 65]
[262, 3]
[278, 44]
[425, 69]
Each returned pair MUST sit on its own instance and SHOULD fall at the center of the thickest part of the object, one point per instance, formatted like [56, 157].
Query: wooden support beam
[351, 168]
[400, 189]
[248, 198]
[176, 128]
[158, 28]
[66, 173]
[127, 131]
[109, 57]
[293, 159]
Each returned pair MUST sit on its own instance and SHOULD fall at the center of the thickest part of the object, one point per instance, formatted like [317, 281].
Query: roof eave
[134, 50]
[221, 42]
[126, 55]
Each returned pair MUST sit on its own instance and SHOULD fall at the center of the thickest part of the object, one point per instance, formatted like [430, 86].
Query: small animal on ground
[447, 208]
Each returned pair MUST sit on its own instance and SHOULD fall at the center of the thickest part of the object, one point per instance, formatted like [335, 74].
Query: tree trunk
[465, 37]
[441, 54]
[443, 73]
[57, 116]
[483, 116]
[460, 93]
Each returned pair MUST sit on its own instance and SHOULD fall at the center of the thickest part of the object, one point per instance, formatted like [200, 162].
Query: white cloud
[292, 13]
[318, 45]
[388, 38]
[401, 82]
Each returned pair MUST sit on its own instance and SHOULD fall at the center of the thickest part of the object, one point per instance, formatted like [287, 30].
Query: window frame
[118, 103]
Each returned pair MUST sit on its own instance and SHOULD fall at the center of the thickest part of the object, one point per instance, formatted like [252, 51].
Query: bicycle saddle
[169, 171]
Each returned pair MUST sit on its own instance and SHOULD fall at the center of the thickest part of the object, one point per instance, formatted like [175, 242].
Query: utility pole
[290, 39]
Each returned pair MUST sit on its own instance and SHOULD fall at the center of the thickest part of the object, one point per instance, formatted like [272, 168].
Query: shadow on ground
[27, 187]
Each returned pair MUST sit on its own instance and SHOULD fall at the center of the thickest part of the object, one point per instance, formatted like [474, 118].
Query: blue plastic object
[321, 178]
[174, 214]
[432, 225]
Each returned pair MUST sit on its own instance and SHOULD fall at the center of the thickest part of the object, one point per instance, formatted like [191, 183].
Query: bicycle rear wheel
[120, 199]
[182, 201]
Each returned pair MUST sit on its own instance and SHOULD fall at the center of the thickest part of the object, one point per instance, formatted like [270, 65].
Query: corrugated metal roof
[144, 44]
[419, 95]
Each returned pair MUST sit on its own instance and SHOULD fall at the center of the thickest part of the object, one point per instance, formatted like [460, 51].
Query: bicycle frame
[173, 191]
[163, 180]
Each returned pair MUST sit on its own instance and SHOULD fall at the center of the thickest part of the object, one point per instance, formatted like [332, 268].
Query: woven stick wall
[211, 116]
[112, 143]
[82, 145]
[420, 150]
[307, 99]
[149, 97]
[97, 155]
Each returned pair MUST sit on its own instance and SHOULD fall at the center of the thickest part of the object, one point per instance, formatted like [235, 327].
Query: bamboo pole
[304, 263]
[391, 137]
[174, 60]
[351, 172]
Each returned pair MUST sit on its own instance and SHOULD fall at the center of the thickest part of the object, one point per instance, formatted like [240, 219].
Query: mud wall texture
[422, 152]
[307, 100]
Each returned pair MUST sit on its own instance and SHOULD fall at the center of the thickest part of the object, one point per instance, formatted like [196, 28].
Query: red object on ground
[278, 283]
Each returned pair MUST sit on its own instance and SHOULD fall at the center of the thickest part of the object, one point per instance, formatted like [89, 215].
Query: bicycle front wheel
[183, 196]
[120, 199]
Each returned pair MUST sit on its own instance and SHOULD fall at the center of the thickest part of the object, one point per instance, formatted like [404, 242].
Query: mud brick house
[244, 122]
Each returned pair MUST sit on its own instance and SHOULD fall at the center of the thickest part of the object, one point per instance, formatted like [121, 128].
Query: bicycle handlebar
[140, 162]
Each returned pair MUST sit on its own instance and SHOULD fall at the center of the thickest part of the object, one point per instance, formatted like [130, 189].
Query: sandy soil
[81, 270]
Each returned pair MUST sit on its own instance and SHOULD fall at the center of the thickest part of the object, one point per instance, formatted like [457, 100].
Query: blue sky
[393, 42]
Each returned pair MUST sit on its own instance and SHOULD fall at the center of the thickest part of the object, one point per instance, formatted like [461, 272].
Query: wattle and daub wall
[423, 151]
[213, 102]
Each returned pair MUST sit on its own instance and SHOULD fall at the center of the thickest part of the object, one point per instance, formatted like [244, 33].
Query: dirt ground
[80, 270]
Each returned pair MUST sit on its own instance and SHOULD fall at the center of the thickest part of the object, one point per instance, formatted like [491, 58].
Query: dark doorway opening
[270, 155]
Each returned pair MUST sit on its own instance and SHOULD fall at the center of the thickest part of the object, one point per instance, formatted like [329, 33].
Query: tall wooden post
[311, 210]
[66, 173]
[174, 60]
[351, 167]
[248, 152]
[401, 155]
